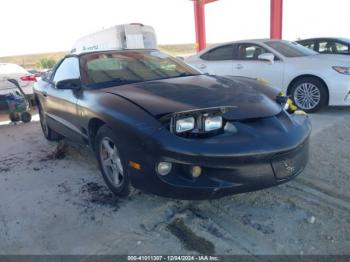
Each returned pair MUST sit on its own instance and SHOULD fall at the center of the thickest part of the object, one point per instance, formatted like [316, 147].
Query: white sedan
[310, 79]
[24, 78]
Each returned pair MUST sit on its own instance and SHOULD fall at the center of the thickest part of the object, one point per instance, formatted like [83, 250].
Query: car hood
[166, 96]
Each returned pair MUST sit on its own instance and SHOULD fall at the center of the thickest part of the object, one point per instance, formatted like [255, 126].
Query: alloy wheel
[111, 162]
[307, 96]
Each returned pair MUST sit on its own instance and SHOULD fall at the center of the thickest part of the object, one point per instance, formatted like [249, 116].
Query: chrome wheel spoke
[107, 147]
[119, 166]
[107, 162]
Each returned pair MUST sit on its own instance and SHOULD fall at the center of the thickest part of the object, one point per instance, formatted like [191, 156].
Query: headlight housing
[197, 123]
[184, 124]
[342, 70]
[212, 123]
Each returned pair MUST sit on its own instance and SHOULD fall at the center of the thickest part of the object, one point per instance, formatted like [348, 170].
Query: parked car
[328, 45]
[160, 125]
[312, 80]
[25, 79]
[35, 72]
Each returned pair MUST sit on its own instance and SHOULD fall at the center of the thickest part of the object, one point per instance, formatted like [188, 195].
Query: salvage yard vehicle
[16, 102]
[312, 80]
[25, 79]
[162, 126]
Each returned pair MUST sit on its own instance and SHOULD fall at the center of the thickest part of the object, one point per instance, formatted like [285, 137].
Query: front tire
[49, 134]
[309, 94]
[111, 162]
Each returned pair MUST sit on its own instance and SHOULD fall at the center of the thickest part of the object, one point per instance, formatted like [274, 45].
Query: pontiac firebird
[159, 125]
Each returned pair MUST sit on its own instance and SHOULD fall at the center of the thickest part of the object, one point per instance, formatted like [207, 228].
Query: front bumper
[339, 90]
[227, 168]
[237, 175]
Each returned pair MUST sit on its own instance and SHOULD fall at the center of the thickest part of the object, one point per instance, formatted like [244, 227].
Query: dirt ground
[61, 206]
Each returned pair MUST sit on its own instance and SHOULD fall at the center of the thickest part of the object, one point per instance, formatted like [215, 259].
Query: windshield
[290, 49]
[124, 67]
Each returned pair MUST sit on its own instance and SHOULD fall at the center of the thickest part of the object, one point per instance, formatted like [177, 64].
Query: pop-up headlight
[197, 123]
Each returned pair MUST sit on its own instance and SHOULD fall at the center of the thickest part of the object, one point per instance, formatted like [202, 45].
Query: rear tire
[49, 134]
[309, 94]
[26, 117]
[111, 162]
[14, 117]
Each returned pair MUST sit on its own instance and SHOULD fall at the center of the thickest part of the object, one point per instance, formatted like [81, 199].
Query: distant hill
[29, 61]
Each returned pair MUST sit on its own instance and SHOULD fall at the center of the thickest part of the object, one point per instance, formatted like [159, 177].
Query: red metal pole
[199, 16]
[276, 19]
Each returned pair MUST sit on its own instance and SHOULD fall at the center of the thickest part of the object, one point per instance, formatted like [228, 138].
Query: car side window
[310, 45]
[332, 47]
[68, 69]
[342, 48]
[219, 54]
[250, 51]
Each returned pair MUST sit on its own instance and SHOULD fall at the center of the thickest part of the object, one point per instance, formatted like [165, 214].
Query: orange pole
[199, 17]
[276, 19]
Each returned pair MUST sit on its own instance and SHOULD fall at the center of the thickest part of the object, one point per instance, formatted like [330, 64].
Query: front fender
[132, 124]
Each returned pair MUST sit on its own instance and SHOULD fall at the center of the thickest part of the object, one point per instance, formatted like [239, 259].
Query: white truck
[126, 36]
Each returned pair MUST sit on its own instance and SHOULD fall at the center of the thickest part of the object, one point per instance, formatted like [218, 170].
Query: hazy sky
[38, 26]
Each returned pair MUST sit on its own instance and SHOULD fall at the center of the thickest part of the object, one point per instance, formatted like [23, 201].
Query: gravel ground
[61, 206]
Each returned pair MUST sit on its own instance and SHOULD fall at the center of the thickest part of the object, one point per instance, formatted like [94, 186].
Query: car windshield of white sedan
[113, 68]
[290, 49]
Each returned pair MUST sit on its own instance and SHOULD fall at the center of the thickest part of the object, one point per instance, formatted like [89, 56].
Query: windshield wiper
[185, 74]
[115, 81]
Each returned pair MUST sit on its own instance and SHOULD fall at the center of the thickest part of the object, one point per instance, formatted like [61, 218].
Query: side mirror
[267, 57]
[68, 84]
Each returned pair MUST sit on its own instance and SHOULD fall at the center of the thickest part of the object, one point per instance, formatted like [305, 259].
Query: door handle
[44, 93]
[202, 66]
[239, 66]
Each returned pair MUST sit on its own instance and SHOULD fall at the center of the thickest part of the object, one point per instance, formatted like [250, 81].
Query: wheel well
[94, 125]
[289, 89]
[36, 100]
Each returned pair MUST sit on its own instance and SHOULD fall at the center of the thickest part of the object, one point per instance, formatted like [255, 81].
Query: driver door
[247, 63]
[61, 104]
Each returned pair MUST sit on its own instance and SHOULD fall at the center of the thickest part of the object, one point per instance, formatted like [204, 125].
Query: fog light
[196, 171]
[164, 168]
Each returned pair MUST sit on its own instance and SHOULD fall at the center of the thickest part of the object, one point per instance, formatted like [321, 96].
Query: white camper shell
[128, 36]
